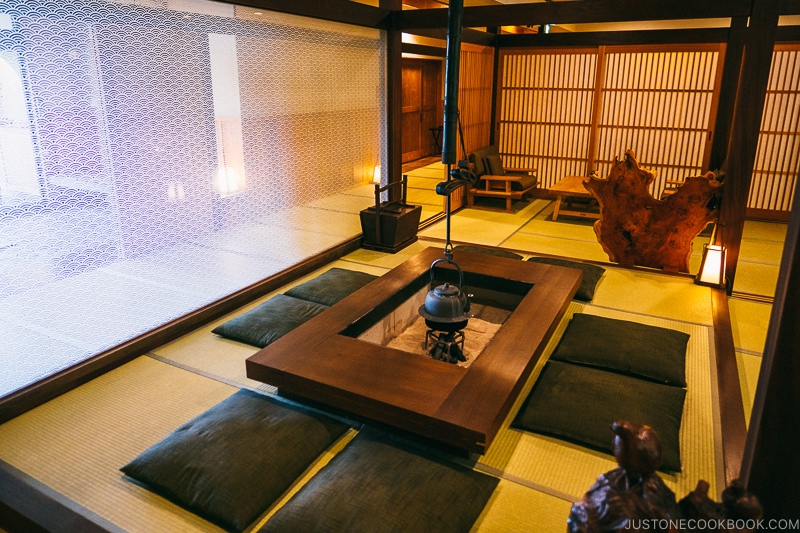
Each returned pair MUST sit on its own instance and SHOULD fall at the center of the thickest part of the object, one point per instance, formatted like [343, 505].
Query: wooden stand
[390, 226]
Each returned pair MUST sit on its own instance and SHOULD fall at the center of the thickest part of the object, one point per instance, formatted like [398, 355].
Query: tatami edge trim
[26, 503]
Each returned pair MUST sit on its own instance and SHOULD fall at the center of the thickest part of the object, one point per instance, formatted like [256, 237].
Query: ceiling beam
[611, 38]
[468, 35]
[423, 50]
[586, 11]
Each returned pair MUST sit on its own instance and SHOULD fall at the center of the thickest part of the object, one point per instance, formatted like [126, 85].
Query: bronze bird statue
[622, 499]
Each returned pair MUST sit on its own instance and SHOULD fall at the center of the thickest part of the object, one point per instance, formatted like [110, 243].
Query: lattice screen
[659, 104]
[778, 154]
[475, 95]
[545, 111]
[155, 158]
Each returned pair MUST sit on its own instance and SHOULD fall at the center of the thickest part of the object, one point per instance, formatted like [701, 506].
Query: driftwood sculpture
[632, 497]
[637, 229]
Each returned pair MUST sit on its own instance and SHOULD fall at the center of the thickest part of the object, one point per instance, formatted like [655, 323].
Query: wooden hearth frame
[322, 361]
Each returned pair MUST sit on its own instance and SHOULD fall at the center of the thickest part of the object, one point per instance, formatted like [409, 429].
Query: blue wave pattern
[112, 217]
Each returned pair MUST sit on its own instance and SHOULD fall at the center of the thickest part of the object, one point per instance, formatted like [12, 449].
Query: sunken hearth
[341, 358]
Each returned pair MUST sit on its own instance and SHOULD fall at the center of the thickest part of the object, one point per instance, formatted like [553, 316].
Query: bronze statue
[632, 497]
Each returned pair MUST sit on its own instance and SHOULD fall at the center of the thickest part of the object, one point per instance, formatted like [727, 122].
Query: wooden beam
[745, 129]
[423, 50]
[611, 38]
[771, 463]
[33, 395]
[595, 11]
[788, 33]
[468, 35]
[790, 7]
[731, 410]
[333, 10]
[30, 506]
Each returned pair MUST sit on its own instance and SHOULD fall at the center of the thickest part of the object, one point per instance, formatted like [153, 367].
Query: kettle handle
[460, 274]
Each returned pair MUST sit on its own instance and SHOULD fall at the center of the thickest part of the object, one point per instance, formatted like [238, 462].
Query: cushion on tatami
[269, 321]
[331, 286]
[377, 484]
[639, 350]
[591, 275]
[232, 462]
[579, 404]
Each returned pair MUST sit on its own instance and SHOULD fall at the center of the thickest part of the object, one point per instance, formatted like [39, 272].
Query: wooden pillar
[771, 464]
[394, 96]
[749, 106]
[731, 69]
[496, 70]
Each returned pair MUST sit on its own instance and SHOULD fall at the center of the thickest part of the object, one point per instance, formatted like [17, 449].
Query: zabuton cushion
[639, 350]
[378, 485]
[579, 404]
[269, 321]
[232, 462]
[331, 286]
[494, 165]
[591, 275]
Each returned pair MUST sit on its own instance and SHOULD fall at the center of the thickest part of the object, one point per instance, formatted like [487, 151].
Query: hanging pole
[452, 64]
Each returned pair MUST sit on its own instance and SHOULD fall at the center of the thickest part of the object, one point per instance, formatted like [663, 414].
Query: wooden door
[422, 108]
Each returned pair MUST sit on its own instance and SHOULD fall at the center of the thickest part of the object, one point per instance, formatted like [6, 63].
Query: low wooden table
[568, 188]
[323, 361]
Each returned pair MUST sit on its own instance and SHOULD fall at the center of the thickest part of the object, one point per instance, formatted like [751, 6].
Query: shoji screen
[475, 95]
[545, 111]
[778, 156]
[158, 156]
[658, 103]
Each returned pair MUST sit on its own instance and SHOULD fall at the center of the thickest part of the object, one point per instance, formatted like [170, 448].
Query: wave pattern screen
[157, 156]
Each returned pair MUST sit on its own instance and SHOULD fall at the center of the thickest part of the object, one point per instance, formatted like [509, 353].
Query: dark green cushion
[269, 321]
[487, 251]
[377, 485]
[331, 286]
[639, 350]
[591, 275]
[232, 462]
[494, 165]
[477, 164]
[579, 404]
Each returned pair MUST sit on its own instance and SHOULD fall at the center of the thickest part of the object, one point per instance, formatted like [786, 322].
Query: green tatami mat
[749, 368]
[76, 443]
[749, 321]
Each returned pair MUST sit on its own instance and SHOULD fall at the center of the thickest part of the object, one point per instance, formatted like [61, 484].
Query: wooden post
[394, 96]
[732, 66]
[771, 464]
[749, 107]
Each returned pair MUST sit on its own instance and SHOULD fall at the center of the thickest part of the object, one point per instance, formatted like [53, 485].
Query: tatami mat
[76, 443]
[749, 369]
[756, 278]
[211, 355]
[654, 294]
[516, 508]
[749, 322]
[567, 470]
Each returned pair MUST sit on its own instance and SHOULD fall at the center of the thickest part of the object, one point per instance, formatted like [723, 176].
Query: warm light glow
[228, 181]
[712, 268]
[376, 174]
